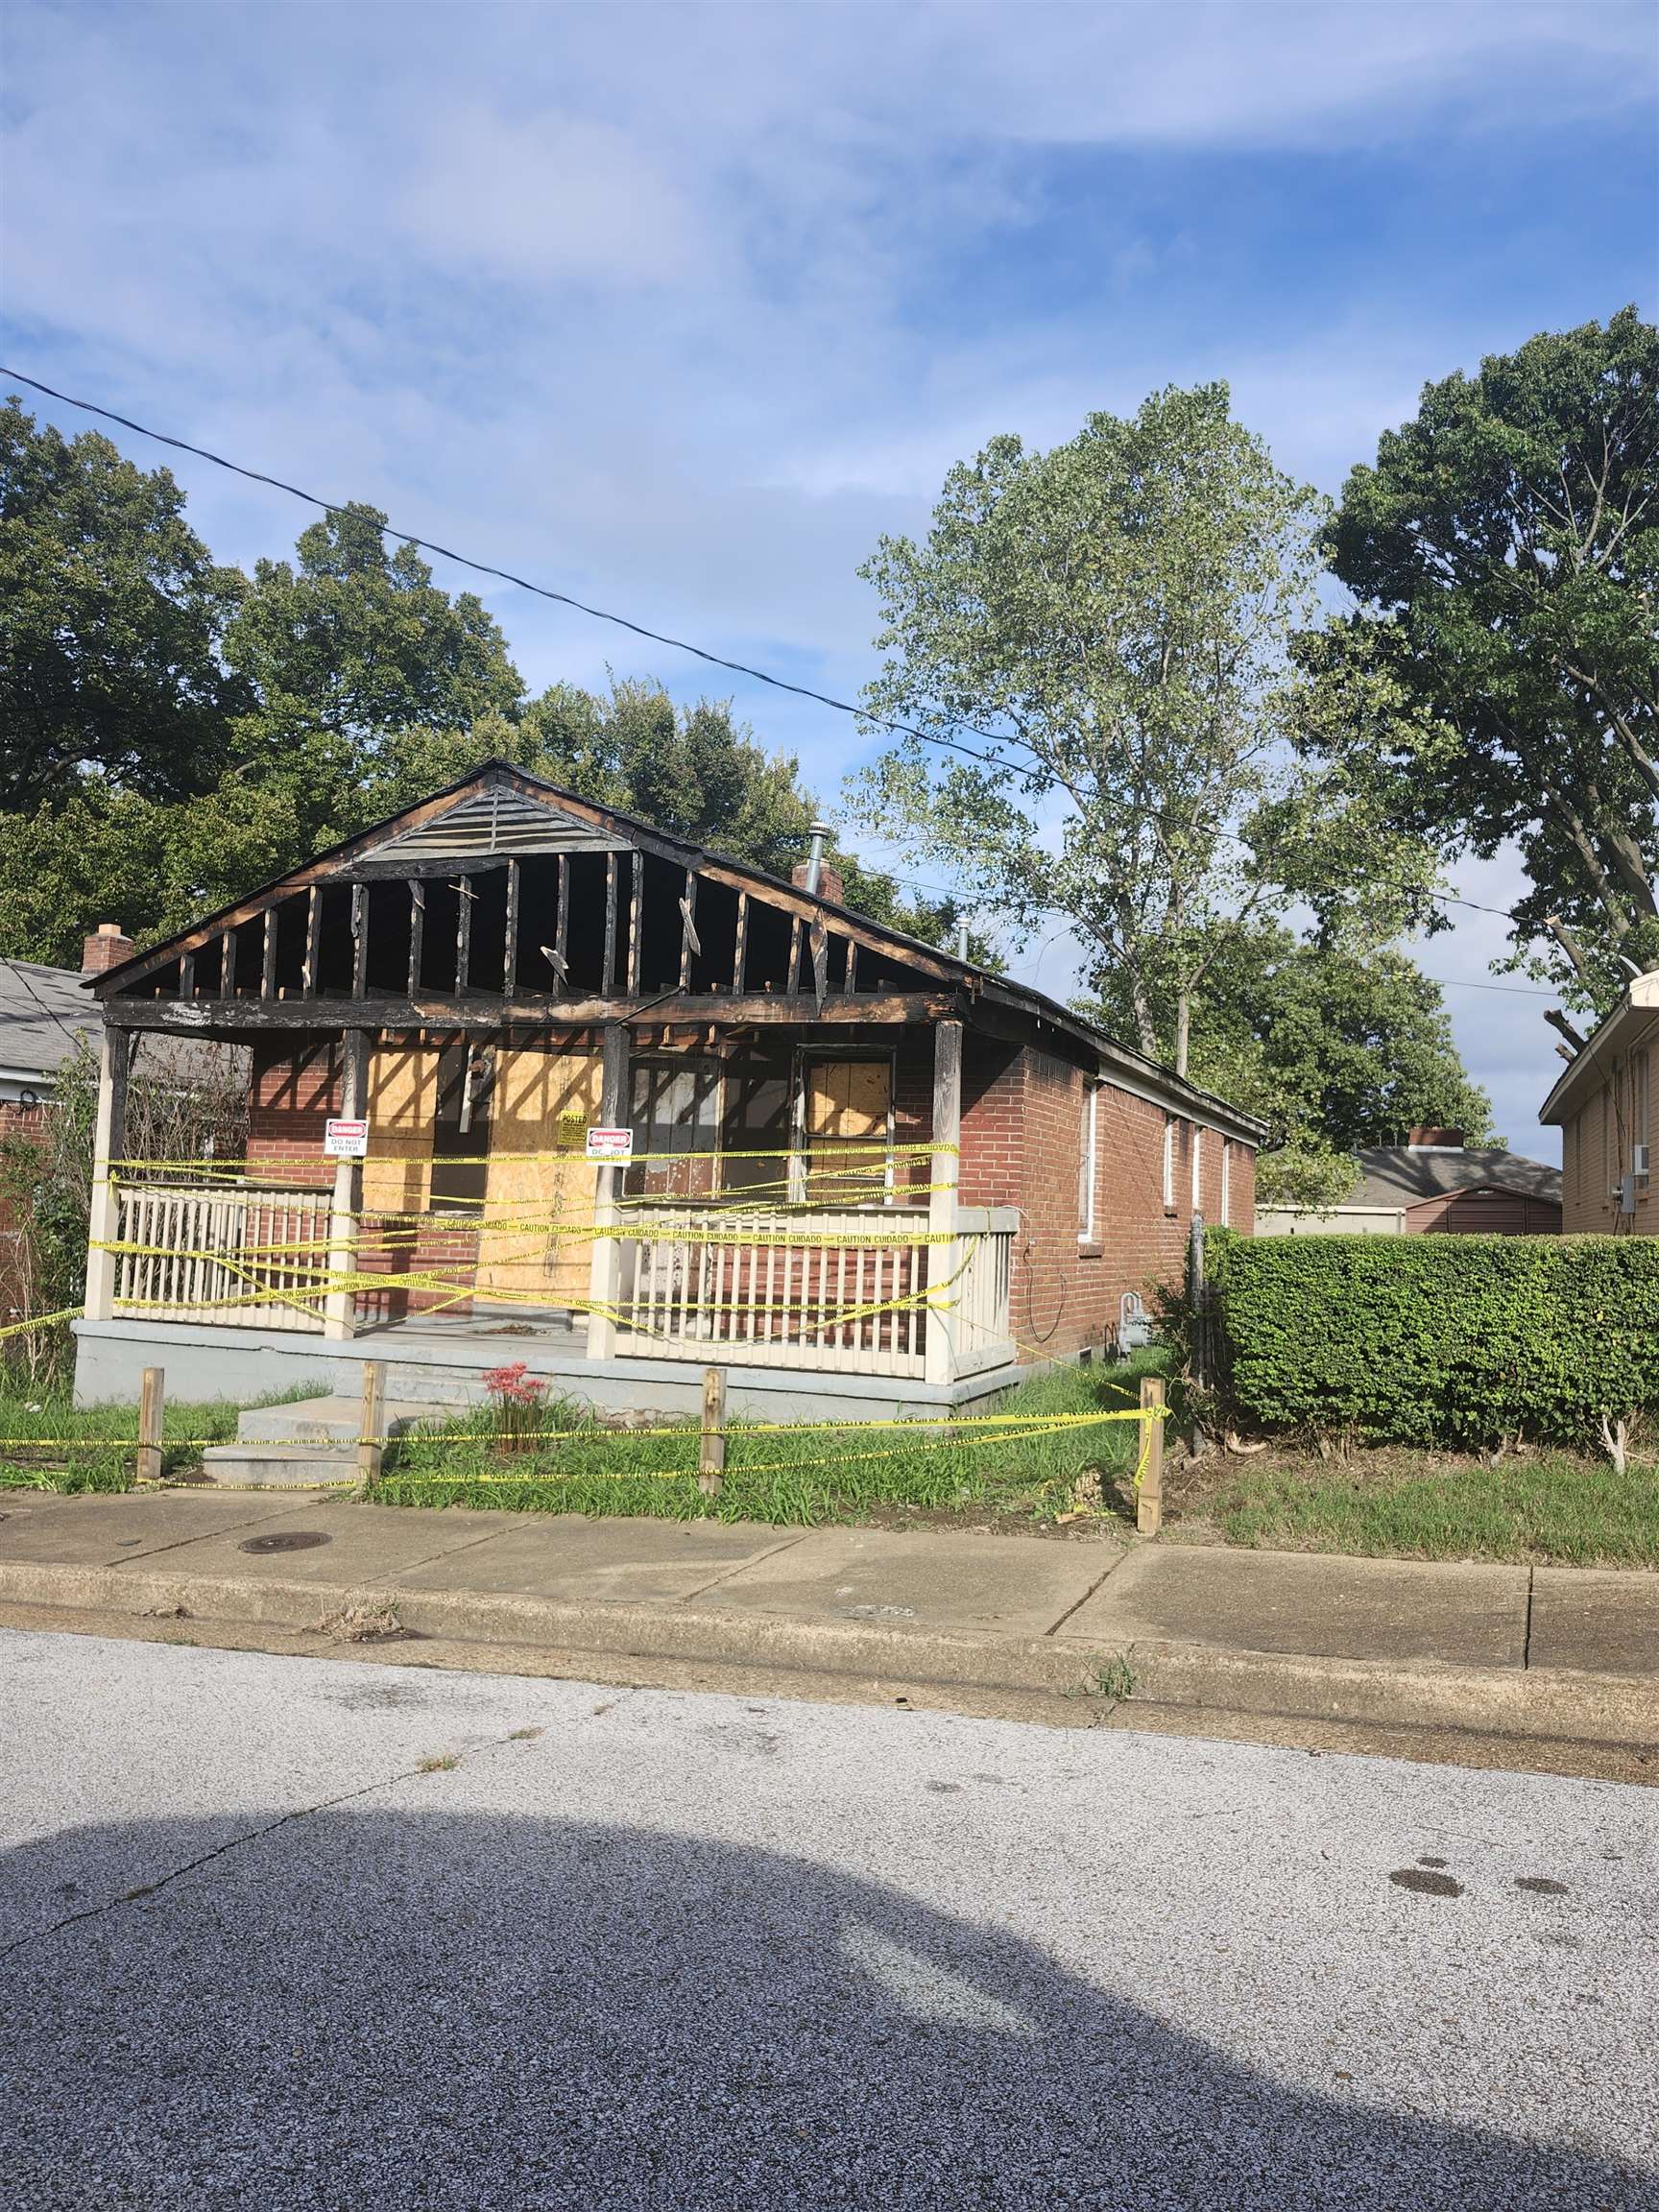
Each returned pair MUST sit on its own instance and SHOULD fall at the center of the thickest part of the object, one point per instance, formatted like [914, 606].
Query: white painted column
[108, 1142]
[339, 1318]
[605, 1264]
[945, 1256]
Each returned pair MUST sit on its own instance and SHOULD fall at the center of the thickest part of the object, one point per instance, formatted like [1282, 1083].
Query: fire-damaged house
[532, 1080]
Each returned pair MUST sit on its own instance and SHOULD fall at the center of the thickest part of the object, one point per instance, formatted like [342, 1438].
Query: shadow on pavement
[375, 2010]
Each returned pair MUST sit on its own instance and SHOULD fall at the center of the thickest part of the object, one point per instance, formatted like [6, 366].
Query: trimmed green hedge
[1436, 1339]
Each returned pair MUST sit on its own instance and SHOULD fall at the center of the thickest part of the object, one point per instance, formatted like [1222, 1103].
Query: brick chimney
[1436, 1139]
[106, 948]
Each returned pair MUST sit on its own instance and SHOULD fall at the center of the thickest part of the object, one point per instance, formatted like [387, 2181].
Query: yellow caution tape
[42, 1321]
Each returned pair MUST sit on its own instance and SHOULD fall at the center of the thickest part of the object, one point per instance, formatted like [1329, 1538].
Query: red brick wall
[1021, 1133]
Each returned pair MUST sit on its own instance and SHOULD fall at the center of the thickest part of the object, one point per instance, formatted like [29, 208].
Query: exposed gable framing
[499, 821]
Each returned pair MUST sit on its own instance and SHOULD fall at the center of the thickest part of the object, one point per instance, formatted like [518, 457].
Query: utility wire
[637, 629]
[524, 584]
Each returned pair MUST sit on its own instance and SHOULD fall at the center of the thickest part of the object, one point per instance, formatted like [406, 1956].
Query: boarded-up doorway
[538, 1188]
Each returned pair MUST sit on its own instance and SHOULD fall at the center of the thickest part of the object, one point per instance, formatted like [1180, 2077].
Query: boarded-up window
[847, 1123]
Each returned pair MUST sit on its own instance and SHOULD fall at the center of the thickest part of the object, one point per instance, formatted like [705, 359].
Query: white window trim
[1197, 1169]
[1226, 1182]
[1091, 1154]
[1169, 1161]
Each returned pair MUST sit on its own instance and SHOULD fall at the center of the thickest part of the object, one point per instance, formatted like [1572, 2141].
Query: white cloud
[554, 196]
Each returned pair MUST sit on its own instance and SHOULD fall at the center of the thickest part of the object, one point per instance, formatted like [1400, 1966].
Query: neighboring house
[1433, 1184]
[43, 1014]
[1603, 1106]
[855, 1167]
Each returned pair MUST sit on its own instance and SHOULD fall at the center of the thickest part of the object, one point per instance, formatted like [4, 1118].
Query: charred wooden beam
[247, 1017]
[509, 951]
[187, 976]
[417, 934]
[636, 915]
[227, 965]
[463, 937]
[268, 959]
[852, 983]
[607, 965]
[313, 941]
[562, 926]
[687, 928]
[359, 940]
[794, 983]
[741, 947]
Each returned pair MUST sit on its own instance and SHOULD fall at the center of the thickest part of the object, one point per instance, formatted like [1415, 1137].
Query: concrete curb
[1542, 1702]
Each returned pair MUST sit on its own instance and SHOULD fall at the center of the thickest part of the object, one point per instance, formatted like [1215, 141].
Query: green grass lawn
[48, 1443]
[1532, 1507]
[794, 1475]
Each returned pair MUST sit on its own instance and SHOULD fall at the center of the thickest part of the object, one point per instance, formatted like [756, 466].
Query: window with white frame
[1197, 1169]
[1088, 1154]
[1226, 1181]
[1169, 1161]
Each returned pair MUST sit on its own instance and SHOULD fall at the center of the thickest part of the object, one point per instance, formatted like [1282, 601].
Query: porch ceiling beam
[768, 1010]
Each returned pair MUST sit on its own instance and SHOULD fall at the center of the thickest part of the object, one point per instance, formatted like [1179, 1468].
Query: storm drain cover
[286, 1540]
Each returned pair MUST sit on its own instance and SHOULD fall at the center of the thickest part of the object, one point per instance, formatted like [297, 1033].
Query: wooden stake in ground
[712, 1449]
[1150, 1497]
[150, 1408]
[372, 1428]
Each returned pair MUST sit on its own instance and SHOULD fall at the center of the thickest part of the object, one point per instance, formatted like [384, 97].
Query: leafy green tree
[1335, 1051]
[1505, 552]
[111, 613]
[1116, 614]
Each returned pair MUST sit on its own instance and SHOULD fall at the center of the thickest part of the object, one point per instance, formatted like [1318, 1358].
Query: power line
[624, 622]
[390, 529]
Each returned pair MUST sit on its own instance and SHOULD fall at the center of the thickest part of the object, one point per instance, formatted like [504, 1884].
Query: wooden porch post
[339, 1321]
[605, 1267]
[945, 1257]
[108, 1142]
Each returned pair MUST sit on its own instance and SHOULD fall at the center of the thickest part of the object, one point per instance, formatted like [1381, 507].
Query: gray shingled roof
[41, 1012]
[1397, 1175]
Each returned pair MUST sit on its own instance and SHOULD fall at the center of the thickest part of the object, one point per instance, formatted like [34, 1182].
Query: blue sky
[679, 308]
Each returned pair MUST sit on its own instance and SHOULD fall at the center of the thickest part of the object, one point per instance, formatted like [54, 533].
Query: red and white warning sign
[346, 1140]
[610, 1144]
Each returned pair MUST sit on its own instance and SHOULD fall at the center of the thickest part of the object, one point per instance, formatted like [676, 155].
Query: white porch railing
[246, 1258]
[846, 1288]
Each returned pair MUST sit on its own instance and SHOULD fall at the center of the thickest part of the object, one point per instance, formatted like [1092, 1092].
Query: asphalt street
[301, 1934]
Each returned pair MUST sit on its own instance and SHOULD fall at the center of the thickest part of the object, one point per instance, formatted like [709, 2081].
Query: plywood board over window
[402, 1125]
[846, 1108]
[539, 1190]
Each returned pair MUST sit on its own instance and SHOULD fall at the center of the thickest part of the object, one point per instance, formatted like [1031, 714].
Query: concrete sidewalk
[1563, 1653]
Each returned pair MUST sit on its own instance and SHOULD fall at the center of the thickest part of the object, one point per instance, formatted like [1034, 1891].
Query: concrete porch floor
[440, 1358]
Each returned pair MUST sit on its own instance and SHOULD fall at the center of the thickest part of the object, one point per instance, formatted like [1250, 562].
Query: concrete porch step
[336, 1420]
[278, 1466]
